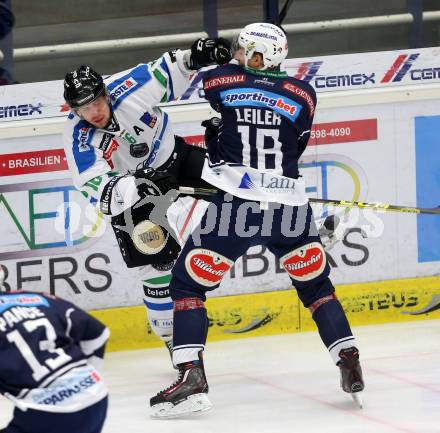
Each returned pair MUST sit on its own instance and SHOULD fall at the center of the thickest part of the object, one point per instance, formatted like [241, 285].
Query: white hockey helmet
[264, 38]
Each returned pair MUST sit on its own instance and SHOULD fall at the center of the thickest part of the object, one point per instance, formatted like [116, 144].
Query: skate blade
[193, 404]
[357, 398]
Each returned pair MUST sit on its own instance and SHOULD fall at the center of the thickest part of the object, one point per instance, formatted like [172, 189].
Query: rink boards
[279, 312]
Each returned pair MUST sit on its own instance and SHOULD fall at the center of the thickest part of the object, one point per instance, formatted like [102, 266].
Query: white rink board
[365, 152]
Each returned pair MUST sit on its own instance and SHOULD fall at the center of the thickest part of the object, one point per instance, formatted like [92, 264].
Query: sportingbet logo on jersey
[267, 182]
[259, 98]
[124, 87]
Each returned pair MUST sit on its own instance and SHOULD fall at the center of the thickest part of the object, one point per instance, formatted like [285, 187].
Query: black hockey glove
[205, 52]
[143, 231]
[148, 182]
[153, 182]
[213, 127]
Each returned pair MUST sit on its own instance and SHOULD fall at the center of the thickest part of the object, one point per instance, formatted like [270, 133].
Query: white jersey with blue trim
[139, 132]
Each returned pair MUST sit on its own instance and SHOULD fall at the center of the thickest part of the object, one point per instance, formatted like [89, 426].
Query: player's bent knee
[305, 263]
[308, 269]
[206, 267]
[198, 270]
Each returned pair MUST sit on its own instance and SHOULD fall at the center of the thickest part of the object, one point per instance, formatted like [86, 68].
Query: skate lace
[176, 382]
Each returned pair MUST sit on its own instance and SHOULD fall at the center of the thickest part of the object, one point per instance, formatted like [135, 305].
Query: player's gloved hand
[213, 127]
[124, 191]
[329, 233]
[153, 182]
[208, 51]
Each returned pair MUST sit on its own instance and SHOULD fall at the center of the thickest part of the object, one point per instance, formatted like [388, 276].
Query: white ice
[288, 384]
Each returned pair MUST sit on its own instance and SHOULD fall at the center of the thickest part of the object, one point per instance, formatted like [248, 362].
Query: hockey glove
[123, 191]
[213, 127]
[330, 232]
[143, 231]
[205, 52]
[153, 182]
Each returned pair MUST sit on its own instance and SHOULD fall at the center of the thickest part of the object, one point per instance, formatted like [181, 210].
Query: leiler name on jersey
[256, 116]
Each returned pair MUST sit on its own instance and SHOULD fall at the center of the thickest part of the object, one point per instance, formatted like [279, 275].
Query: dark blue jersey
[45, 348]
[267, 117]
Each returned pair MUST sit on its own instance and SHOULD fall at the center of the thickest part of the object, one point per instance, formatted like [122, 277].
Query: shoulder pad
[223, 76]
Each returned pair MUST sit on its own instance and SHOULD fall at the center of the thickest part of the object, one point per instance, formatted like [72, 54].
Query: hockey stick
[340, 203]
[377, 206]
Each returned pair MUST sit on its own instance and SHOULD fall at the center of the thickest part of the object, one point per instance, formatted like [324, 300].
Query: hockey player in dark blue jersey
[50, 356]
[253, 152]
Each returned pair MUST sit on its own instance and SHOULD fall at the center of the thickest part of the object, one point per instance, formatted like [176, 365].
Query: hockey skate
[187, 395]
[351, 374]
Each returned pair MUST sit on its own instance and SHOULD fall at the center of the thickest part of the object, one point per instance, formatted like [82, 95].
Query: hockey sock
[190, 329]
[159, 305]
[333, 326]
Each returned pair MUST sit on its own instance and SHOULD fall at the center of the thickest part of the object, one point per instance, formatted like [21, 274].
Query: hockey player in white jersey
[115, 125]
